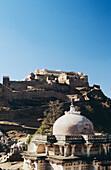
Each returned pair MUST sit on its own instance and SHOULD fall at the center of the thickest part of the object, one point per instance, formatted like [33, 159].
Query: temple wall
[32, 147]
[78, 166]
[43, 165]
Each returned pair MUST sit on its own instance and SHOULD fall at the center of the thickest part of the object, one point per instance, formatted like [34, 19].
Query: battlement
[50, 77]
[36, 85]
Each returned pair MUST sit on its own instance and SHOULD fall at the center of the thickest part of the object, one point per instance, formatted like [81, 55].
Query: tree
[54, 111]
[51, 114]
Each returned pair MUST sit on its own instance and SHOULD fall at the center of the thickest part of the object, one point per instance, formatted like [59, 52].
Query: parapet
[6, 79]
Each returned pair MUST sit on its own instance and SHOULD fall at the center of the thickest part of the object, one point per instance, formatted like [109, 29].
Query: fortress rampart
[44, 77]
[6, 94]
[42, 84]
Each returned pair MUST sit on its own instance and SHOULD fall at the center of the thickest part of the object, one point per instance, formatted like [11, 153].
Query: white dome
[72, 123]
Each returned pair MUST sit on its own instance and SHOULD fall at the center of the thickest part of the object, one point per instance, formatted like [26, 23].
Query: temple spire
[72, 109]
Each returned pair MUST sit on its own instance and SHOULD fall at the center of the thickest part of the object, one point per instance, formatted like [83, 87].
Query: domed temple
[73, 146]
[72, 123]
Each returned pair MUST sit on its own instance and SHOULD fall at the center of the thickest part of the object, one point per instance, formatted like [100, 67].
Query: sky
[68, 35]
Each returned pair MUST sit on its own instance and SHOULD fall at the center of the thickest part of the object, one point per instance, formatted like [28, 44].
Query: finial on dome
[72, 109]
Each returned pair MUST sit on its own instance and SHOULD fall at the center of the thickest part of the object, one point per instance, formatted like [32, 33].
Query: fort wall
[24, 85]
[79, 83]
[7, 127]
[7, 94]
[21, 85]
[63, 80]
[35, 94]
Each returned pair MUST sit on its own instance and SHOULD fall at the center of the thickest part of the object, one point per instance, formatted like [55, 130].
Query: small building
[75, 79]
[30, 76]
[73, 146]
[50, 72]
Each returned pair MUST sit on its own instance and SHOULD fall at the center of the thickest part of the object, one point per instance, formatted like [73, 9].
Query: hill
[35, 104]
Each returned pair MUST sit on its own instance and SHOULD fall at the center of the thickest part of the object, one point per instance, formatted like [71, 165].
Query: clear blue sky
[72, 35]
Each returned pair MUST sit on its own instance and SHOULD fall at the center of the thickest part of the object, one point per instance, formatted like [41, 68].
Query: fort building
[45, 76]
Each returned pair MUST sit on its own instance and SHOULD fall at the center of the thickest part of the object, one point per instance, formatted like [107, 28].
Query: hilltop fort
[36, 106]
[32, 101]
[45, 76]
[34, 86]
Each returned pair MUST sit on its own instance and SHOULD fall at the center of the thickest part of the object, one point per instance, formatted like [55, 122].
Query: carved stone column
[105, 148]
[65, 150]
[80, 166]
[54, 149]
[88, 149]
[46, 150]
[61, 150]
[62, 168]
[35, 163]
[36, 148]
[72, 168]
[95, 165]
[82, 150]
[73, 150]
[99, 148]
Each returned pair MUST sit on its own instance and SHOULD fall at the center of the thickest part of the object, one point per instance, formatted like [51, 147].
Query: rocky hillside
[41, 112]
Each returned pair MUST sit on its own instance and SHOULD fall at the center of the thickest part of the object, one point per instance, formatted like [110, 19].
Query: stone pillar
[46, 150]
[82, 150]
[73, 150]
[29, 163]
[36, 148]
[105, 148]
[65, 150]
[61, 151]
[54, 149]
[25, 162]
[26, 165]
[88, 149]
[62, 168]
[35, 163]
[95, 165]
[79, 166]
[99, 148]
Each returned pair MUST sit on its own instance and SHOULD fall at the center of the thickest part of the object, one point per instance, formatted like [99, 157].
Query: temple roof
[72, 123]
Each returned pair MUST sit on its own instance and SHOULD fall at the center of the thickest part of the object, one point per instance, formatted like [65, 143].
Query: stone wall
[26, 116]
[35, 94]
[7, 127]
[7, 94]
[79, 83]
[21, 85]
